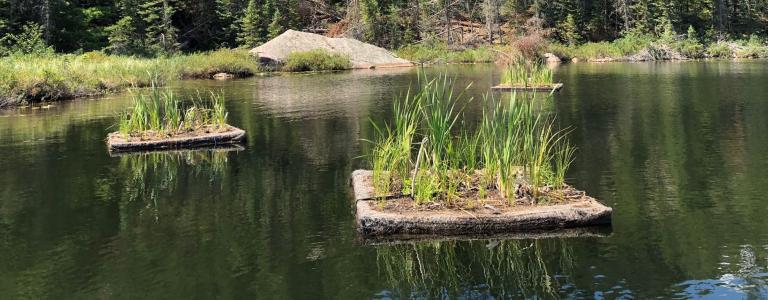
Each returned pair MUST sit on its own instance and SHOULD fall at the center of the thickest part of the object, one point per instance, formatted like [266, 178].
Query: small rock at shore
[551, 58]
[223, 76]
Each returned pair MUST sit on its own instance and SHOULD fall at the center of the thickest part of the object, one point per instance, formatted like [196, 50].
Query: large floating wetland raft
[433, 174]
[159, 121]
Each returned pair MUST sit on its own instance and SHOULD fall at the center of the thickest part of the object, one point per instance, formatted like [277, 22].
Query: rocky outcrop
[361, 55]
[551, 58]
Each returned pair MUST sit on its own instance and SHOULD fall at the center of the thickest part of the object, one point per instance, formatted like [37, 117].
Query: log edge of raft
[371, 222]
[517, 88]
[118, 144]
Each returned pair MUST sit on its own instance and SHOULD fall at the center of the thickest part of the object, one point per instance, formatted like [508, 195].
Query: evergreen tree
[160, 33]
[126, 36]
[276, 26]
[569, 31]
[4, 17]
[227, 22]
[122, 37]
[251, 31]
[291, 15]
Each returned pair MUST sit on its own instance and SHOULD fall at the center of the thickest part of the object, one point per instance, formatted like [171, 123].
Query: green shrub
[630, 44]
[720, 49]
[691, 49]
[752, 48]
[421, 53]
[237, 62]
[316, 60]
[28, 41]
[439, 53]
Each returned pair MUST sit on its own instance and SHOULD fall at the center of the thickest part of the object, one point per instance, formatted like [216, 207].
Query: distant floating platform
[519, 88]
[118, 143]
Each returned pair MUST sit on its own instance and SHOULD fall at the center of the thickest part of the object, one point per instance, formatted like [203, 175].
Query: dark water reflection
[678, 149]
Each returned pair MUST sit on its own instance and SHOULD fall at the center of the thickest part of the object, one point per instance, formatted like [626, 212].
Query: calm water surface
[679, 150]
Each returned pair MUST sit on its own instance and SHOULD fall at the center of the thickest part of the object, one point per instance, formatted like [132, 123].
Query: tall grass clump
[161, 113]
[315, 60]
[535, 74]
[441, 53]
[428, 154]
[237, 62]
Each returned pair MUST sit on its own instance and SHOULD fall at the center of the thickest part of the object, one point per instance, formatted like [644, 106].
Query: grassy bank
[635, 47]
[441, 53]
[35, 78]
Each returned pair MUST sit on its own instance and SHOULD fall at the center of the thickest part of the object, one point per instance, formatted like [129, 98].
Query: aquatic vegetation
[161, 113]
[515, 153]
[315, 60]
[533, 74]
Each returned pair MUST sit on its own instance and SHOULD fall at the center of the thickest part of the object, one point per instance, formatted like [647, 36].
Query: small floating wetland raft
[435, 175]
[522, 77]
[159, 121]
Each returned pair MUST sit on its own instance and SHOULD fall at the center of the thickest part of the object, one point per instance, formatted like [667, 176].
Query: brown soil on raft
[469, 200]
[151, 135]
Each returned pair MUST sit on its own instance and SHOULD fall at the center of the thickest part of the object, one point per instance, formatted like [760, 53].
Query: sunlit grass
[160, 112]
[428, 154]
[534, 74]
[32, 78]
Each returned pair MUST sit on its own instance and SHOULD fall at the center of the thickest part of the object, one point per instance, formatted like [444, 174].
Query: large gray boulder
[361, 55]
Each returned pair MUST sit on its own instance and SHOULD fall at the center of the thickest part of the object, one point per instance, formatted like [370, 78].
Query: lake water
[679, 150]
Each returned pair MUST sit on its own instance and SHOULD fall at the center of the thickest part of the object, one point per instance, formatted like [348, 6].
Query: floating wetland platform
[524, 220]
[118, 143]
[521, 88]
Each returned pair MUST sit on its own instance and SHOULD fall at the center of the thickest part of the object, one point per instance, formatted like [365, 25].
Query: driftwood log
[117, 143]
[372, 221]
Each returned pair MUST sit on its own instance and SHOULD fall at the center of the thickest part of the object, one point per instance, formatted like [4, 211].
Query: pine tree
[291, 15]
[569, 30]
[160, 33]
[227, 22]
[122, 37]
[4, 17]
[126, 36]
[251, 31]
[276, 26]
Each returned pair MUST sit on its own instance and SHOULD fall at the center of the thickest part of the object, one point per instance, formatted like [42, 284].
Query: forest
[151, 28]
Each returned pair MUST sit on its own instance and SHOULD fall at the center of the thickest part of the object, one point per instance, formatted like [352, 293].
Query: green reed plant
[162, 112]
[533, 74]
[563, 158]
[433, 157]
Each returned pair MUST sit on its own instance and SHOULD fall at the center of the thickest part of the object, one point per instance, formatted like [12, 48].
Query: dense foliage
[163, 27]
